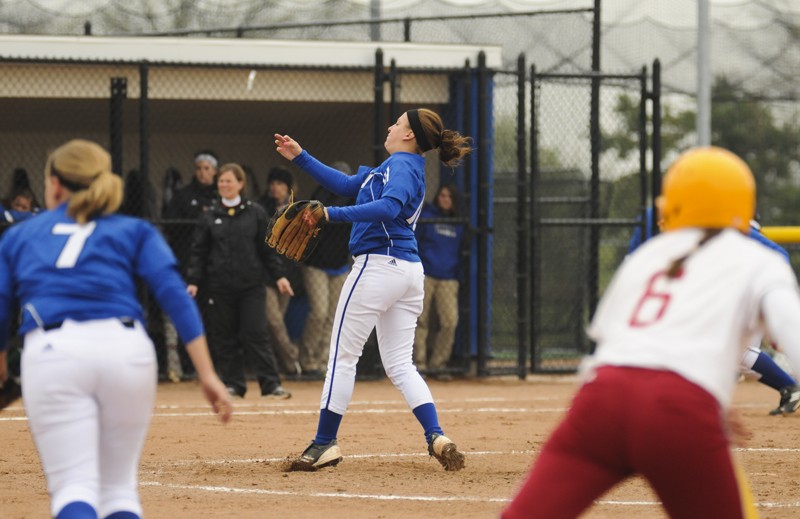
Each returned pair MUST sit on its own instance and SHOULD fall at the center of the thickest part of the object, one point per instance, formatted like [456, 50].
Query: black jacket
[228, 249]
[188, 203]
[332, 250]
[291, 269]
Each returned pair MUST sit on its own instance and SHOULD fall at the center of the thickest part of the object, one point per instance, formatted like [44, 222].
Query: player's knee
[398, 372]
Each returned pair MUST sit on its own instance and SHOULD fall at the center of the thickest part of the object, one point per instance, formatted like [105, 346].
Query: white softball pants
[385, 293]
[89, 389]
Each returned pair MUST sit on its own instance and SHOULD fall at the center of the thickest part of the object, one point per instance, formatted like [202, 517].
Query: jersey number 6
[653, 303]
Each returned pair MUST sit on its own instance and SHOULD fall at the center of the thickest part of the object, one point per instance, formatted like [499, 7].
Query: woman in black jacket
[231, 261]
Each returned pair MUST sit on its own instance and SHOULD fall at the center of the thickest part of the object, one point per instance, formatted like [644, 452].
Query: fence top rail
[587, 75]
[233, 51]
[241, 29]
[588, 222]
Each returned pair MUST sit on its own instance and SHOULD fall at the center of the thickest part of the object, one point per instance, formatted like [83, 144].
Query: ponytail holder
[69, 184]
[419, 132]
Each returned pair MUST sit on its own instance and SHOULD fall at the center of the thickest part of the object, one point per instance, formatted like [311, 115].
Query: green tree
[746, 125]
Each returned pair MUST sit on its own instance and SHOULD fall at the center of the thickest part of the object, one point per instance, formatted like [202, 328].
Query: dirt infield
[194, 467]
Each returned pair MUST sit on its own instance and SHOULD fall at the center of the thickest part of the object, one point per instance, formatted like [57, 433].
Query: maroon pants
[635, 421]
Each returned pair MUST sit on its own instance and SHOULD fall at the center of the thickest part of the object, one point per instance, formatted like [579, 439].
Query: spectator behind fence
[21, 182]
[324, 274]
[229, 260]
[20, 205]
[187, 204]
[440, 246]
[277, 195]
[171, 184]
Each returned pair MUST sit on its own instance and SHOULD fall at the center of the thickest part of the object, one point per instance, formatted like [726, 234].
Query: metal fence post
[642, 130]
[144, 124]
[656, 178]
[465, 316]
[380, 124]
[483, 217]
[119, 91]
[535, 229]
[523, 227]
[393, 87]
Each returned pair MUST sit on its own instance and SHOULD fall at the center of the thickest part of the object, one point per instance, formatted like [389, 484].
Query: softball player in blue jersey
[88, 366]
[384, 290]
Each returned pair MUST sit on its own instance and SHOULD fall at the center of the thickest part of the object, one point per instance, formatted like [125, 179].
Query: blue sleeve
[636, 239]
[760, 238]
[334, 180]
[381, 210]
[157, 266]
[6, 294]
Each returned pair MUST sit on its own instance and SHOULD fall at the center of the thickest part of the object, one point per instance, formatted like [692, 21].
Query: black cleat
[790, 401]
[317, 456]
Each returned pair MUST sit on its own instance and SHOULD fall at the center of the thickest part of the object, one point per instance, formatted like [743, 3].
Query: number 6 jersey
[698, 323]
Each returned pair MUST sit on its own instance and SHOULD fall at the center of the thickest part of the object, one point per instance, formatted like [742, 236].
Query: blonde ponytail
[102, 196]
[84, 169]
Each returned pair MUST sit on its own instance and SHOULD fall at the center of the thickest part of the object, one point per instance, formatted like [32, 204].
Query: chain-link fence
[584, 207]
[156, 118]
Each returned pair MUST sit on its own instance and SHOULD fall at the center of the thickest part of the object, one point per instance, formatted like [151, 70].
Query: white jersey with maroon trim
[698, 323]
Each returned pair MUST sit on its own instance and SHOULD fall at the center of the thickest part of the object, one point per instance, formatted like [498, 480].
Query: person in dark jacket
[230, 260]
[440, 251]
[180, 213]
[324, 274]
[278, 194]
[188, 203]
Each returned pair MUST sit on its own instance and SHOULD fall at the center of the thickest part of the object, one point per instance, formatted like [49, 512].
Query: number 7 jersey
[696, 324]
[56, 269]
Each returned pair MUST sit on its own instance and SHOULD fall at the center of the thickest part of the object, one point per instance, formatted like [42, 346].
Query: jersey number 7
[78, 234]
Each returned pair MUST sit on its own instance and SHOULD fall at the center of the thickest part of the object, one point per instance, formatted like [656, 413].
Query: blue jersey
[11, 215]
[56, 269]
[763, 240]
[389, 200]
[440, 246]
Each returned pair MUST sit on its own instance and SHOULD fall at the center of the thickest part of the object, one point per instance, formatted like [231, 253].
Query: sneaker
[445, 451]
[318, 456]
[235, 392]
[790, 401]
[278, 393]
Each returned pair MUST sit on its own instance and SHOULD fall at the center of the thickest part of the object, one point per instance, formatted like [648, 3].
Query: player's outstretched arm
[287, 147]
[214, 390]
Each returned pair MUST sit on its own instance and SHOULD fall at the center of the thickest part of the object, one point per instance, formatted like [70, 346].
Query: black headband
[419, 132]
[72, 186]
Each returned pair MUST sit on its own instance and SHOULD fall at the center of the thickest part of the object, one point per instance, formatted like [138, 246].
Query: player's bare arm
[287, 147]
[213, 389]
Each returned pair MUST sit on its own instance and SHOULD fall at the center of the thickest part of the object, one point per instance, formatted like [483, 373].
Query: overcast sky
[681, 13]
[676, 13]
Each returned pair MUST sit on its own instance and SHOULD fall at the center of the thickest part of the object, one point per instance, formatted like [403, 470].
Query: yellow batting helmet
[710, 188]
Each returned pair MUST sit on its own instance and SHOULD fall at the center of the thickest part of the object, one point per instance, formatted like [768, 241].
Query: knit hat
[280, 175]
